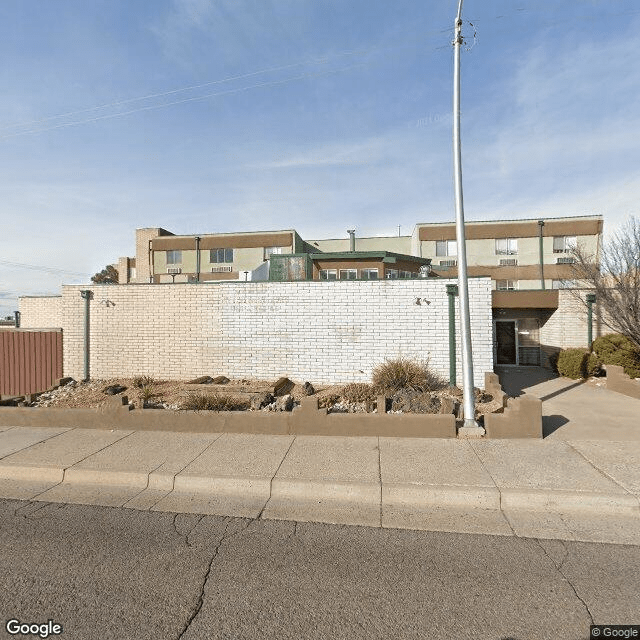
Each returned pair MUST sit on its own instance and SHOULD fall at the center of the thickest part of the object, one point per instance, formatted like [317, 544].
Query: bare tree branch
[615, 279]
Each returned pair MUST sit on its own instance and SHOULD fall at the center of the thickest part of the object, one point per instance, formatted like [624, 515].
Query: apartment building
[528, 261]
[516, 254]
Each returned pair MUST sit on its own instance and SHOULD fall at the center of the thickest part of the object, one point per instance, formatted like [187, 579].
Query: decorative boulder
[114, 389]
[284, 403]
[220, 380]
[261, 400]
[201, 380]
[308, 389]
[282, 387]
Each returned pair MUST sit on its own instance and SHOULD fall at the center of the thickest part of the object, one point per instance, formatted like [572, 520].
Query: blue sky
[206, 116]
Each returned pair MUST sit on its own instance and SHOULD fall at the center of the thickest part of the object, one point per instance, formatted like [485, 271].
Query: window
[348, 274]
[506, 246]
[506, 285]
[221, 255]
[564, 284]
[563, 244]
[369, 274]
[174, 257]
[328, 274]
[405, 274]
[268, 251]
[446, 248]
[391, 274]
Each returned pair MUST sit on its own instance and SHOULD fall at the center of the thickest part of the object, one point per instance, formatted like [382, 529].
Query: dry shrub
[328, 400]
[213, 402]
[404, 373]
[143, 381]
[146, 393]
[358, 392]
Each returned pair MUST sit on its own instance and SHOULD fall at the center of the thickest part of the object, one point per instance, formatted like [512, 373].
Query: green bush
[617, 349]
[213, 402]
[577, 363]
[404, 373]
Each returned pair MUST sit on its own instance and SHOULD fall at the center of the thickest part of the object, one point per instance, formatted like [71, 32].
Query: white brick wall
[316, 331]
[567, 327]
[40, 312]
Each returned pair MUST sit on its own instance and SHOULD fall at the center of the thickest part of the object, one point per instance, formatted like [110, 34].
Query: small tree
[109, 275]
[615, 279]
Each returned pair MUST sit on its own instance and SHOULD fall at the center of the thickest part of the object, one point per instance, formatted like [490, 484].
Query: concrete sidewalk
[575, 490]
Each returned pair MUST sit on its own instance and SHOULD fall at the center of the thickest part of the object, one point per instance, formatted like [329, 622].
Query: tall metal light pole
[470, 429]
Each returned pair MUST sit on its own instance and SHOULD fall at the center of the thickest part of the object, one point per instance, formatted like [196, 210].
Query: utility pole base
[471, 431]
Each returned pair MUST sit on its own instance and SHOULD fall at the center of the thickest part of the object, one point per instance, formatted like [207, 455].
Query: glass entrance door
[506, 346]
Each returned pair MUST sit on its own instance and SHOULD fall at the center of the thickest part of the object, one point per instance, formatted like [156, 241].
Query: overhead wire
[51, 270]
[310, 61]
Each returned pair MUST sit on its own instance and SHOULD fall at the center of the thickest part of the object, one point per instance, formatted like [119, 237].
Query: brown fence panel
[30, 361]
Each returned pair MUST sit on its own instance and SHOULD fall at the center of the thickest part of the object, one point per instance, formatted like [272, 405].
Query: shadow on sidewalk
[515, 380]
[552, 423]
[563, 390]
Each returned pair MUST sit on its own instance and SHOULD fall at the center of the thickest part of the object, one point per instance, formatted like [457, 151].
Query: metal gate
[30, 360]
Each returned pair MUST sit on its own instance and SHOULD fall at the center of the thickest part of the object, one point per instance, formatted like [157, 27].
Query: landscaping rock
[308, 389]
[284, 403]
[448, 405]
[282, 387]
[220, 380]
[114, 389]
[201, 380]
[261, 400]
[409, 401]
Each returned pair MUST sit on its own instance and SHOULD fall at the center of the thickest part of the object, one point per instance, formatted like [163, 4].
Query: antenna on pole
[470, 429]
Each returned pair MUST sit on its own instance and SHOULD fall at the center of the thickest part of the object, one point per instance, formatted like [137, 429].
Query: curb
[347, 495]
[560, 501]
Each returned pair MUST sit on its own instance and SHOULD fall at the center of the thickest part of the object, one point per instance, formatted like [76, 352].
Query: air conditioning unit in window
[226, 269]
[448, 263]
[565, 260]
[509, 263]
[174, 270]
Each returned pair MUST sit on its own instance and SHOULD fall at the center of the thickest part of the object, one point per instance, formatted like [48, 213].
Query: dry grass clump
[328, 400]
[358, 392]
[142, 381]
[146, 393]
[213, 402]
[404, 373]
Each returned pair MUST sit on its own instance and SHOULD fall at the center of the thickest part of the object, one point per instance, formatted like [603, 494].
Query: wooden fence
[30, 360]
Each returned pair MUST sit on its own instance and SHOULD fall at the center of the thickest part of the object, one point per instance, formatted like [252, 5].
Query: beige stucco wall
[40, 312]
[395, 244]
[317, 331]
[483, 252]
[246, 259]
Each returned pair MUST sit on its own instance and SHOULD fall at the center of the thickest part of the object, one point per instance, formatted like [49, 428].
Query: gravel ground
[170, 394]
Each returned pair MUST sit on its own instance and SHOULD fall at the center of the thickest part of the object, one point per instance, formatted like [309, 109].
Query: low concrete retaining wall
[618, 380]
[307, 419]
[522, 418]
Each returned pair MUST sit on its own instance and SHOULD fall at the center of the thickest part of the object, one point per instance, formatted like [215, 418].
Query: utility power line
[45, 269]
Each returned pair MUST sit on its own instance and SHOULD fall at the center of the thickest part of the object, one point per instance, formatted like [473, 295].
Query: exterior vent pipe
[352, 239]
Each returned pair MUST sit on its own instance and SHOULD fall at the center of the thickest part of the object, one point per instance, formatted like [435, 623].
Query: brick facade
[40, 312]
[318, 331]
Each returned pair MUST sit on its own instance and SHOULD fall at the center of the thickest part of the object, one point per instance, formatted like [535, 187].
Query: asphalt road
[119, 574]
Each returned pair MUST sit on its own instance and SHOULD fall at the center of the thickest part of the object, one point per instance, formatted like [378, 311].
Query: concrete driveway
[575, 409]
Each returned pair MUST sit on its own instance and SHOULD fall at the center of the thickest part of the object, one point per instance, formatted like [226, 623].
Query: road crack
[224, 538]
[558, 567]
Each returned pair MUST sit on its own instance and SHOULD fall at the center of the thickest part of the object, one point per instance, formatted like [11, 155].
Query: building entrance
[517, 342]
